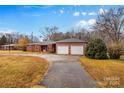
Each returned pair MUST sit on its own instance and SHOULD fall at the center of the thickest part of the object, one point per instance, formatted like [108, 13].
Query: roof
[35, 44]
[43, 43]
[47, 42]
[53, 42]
[71, 40]
[9, 45]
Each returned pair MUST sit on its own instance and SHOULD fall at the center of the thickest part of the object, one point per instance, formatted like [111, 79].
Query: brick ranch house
[46, 46]
[67, 46]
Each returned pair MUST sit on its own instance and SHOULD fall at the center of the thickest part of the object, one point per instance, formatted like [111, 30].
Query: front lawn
[21, 71]
[107, 73]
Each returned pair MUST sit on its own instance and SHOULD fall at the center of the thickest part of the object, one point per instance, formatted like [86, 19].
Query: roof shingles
[71, 40]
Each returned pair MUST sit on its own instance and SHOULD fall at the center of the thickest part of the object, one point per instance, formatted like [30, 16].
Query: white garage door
[62, 50]
[77, 50]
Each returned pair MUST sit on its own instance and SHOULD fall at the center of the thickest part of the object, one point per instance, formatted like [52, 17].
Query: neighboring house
[8, 47]
[68, 46]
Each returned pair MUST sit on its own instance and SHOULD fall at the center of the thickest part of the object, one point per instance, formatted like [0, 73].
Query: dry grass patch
[18, 52]
[107, 73]
[21, 71]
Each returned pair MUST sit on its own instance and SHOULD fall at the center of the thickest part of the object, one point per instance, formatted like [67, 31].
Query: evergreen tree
[96, 49]
[3, 40]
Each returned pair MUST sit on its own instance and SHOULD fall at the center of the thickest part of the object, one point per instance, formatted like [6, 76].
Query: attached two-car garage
[73, 50]
[70, 46]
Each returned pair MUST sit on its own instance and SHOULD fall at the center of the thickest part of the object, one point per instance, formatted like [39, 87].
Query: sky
[27, 19]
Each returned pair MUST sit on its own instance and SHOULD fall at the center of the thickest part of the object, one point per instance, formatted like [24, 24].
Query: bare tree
[47, 33]
[79, 33]
[32, 37]
[52, 33]
[83, 34]
[111, 24]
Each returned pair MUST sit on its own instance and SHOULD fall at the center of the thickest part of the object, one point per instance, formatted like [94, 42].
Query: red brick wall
[37, 48]
[29, 48]
[34, 48]
[51, 48]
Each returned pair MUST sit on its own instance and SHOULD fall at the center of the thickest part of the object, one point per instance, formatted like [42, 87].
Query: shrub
[114, 51]
[24, 48]
[101, 55]
[96, 49]
[23, 42]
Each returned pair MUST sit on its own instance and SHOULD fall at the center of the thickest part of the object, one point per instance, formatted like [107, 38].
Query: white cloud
[92, 13]
[84, 13]
[76, 14]
[7, 31]
[61, 11]
[102, 11]
[37, 6]
[91, 22]
[86, 23]
[82, 23]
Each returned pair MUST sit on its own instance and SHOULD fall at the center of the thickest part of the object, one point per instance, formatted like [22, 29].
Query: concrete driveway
[58, 58]
[66, 72]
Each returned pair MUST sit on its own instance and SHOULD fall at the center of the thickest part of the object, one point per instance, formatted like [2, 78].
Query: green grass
[21, 71]
[107, 73]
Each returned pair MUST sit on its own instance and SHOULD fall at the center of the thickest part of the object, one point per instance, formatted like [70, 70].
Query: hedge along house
[46, 46]
[68, 46]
